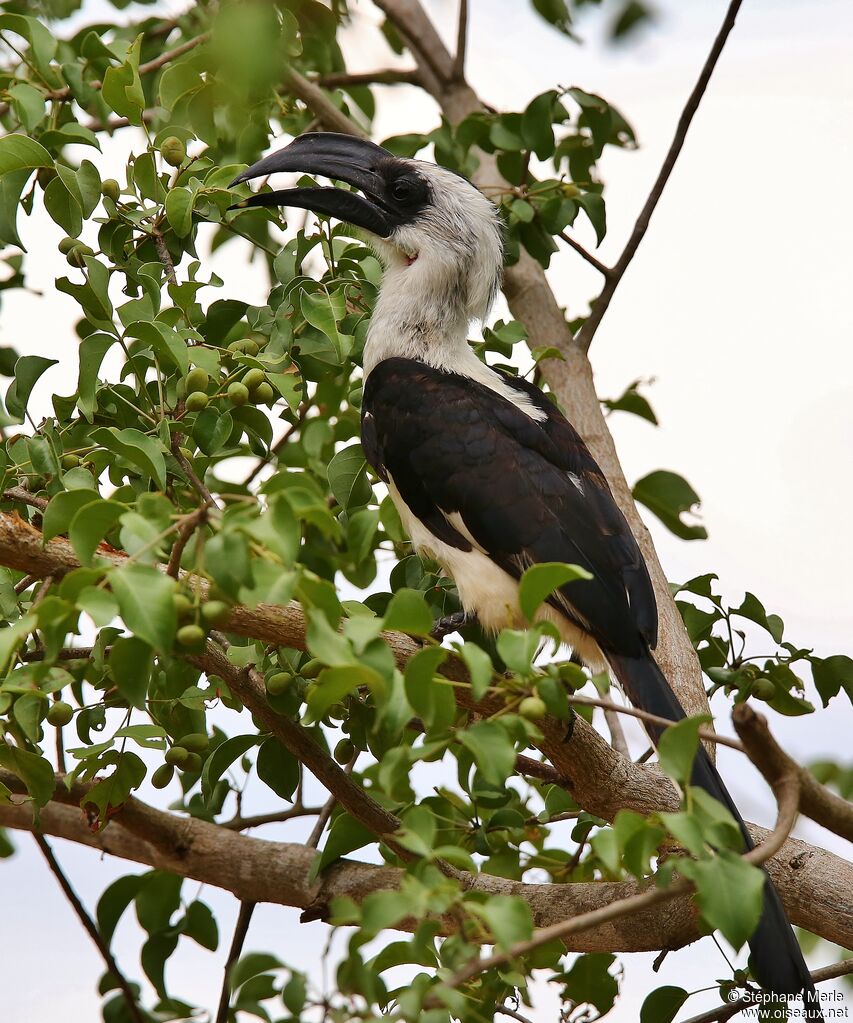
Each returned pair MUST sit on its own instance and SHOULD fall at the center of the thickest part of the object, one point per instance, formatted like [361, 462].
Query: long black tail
[776, 955]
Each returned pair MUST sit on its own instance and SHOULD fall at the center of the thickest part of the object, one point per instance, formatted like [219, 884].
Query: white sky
[737, 303]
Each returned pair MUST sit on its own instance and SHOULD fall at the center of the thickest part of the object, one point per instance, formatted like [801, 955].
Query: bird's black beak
[343, 157]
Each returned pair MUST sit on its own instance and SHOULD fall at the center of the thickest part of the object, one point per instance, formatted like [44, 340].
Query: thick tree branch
[816, 801]
[599, 307]
[816, 886]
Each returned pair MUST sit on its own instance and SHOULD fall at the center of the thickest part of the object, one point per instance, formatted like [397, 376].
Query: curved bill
[345, 158]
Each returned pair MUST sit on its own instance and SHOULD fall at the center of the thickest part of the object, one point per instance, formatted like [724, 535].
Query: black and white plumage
[488, 476]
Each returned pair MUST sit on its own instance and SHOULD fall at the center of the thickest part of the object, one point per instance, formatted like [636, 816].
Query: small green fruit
[279, 683]
[344, 751]
[76, 256]
[67, 244]
[184, 607]
[245, 346]
[763, 689]
[190, 636]
[263, 394]
[70, 461]
[110, 189]
[195, 742]
[60, 713]
[162, 776]
[532, 708]
[197, 380]
[192, 765]
[176, 756]
[311, 669]
[253, 378]
[173, 151]
[197, 401]
[214, 612]
[238, 394]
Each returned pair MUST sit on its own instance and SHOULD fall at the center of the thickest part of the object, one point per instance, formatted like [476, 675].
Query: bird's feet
[451, 623]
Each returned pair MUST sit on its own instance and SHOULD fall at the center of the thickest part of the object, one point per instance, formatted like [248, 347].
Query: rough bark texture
[816, 887]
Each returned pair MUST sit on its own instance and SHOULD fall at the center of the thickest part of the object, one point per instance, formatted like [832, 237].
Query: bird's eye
[401, 190]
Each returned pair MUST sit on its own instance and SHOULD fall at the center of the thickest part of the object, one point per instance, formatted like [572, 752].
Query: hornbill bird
[488, 476]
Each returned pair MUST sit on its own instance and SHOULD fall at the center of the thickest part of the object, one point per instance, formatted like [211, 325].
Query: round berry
[70, 461]
[344, 751]
[76, 256]
[253, 377]
[60, 713]
[67, 244]
[532, 708]
[197, 401]
[173, 151]
[184, 607]
[197, 380]
[195, 742]
[214, 612]
[176, 756]
[162, 776]
[279, 683]
[192, 765]
[110, 189]
[190, 636]
[238, 394]
[763, 689]
[263, 394]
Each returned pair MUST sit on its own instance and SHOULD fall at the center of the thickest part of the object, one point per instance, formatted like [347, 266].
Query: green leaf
[140, 450]
[90, 525]
[62, 508]
[318, 311]
[200, 925]
[179, 210]
[492, 748]
[28, 369]
[145, 600]
[536, 127]
[348, 478]
[831, 674]
[408, 612]
[540, 581]
[662, 1005]
[480, 668]
[278, 768]
[669, 496]
[122, 88]
[518, 648]
[754, 611]
[18, 152]
[130, 661]
[34, 771]
[252, 965]
[114, 902]
[678, 745]
[92, 351]
[432, 700]
[345, 836]
[593, 205]
[337, 682]
[590, 982]
[730, 893]
[225, 754]
[509, 918]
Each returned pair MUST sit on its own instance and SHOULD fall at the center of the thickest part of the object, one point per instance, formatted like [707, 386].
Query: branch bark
[816, 886]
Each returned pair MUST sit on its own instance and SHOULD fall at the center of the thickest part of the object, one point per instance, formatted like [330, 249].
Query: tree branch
[461, 42]
[241, 929]
[816, 801]
[599, 308]
[384, 76]
[816, 886]
[605, 271]
[89, 926]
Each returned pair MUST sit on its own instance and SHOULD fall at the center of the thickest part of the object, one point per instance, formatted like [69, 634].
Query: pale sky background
[737, 303]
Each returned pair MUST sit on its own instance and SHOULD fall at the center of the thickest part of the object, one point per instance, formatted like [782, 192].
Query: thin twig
[25, 583]
[190, 473]
[617, 736]
[164, 255]
[238, 823]
[461, 42]
[599, 308]
[384, 76]
[280, 443]
[25, 497]
[326, 811]
[505, 1010]
[192, 522]
[241, 928]
[604, 270]
[90, 927]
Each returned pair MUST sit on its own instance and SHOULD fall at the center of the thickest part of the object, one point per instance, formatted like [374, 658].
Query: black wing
[527, 491]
